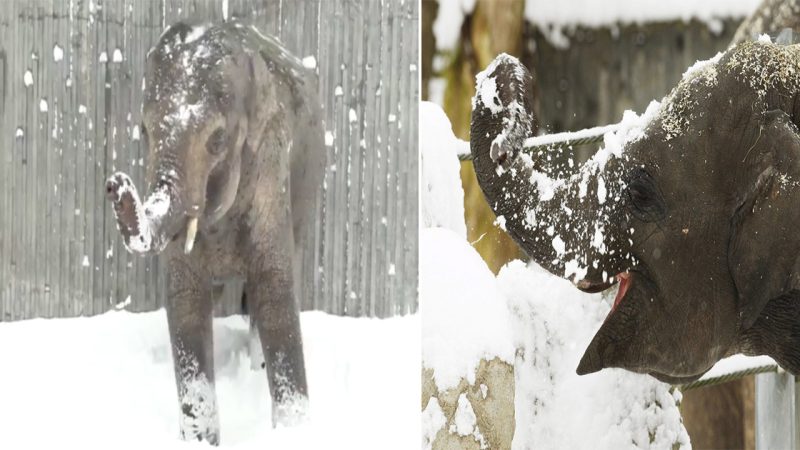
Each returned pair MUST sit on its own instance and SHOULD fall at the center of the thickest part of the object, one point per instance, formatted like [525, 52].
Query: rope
[552, 141]
[703, 382]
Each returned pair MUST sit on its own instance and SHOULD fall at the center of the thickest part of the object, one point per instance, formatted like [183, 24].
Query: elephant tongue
[624, 283]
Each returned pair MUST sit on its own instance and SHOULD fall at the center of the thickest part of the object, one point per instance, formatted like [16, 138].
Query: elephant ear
[258, 104]
[765, 247]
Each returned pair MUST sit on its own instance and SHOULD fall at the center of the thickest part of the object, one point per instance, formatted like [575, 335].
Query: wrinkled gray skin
[701, 213]
[771, 16]
[234, 131]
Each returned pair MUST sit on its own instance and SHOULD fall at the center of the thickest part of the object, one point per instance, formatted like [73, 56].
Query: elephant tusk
[191, 232]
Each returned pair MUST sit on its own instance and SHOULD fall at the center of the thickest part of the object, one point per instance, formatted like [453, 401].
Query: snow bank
[107, 382]
[553, 17]
[552, 324]
[442, 199]
[464, 318]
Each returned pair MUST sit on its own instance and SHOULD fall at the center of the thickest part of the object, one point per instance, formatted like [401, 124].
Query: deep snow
[107, 382]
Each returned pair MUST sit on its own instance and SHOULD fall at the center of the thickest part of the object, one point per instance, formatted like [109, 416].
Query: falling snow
[58, 53]
[309, 62]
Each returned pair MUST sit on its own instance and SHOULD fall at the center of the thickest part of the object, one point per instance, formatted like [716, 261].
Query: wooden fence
[70, 96]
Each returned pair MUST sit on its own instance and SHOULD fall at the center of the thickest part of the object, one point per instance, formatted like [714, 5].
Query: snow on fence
[70, 96]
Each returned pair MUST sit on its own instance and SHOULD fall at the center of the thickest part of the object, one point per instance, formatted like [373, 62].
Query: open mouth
[624, 280]
[594, 358]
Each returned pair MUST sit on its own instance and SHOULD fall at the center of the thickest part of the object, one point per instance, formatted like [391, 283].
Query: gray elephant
[696, 219]
[236, 156]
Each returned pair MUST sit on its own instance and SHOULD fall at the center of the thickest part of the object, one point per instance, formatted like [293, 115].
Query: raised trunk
[565, 218]
[148, 227]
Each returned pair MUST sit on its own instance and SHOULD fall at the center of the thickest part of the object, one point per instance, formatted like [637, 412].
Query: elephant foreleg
[190, 314]
[277, 318]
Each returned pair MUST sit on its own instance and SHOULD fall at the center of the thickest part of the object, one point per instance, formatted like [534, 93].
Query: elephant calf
[697, 219]
[233, 127]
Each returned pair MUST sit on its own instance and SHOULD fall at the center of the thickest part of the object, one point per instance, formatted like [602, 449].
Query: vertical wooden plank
[776, 418]
[63, 221]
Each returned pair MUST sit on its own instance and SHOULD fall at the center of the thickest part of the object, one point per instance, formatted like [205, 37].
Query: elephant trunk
[147, 227]
[564, 221]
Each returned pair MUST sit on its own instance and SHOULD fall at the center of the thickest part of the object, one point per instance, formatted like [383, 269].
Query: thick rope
[703, 382]
[558, 140]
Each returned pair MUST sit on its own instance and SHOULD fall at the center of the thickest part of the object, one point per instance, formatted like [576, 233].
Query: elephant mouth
[623, 278]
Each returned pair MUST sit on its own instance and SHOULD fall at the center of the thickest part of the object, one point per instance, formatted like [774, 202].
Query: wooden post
[776, 406]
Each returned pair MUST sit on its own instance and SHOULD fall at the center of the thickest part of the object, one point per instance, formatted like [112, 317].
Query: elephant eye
[643, 197]
[216, 142]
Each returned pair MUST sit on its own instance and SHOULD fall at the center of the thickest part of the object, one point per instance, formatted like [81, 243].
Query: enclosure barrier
[70, 96]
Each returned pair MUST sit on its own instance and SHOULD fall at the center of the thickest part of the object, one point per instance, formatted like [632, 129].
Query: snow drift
[107, 382]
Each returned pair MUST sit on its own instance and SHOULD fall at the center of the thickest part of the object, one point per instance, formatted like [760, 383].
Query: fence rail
[70, 95]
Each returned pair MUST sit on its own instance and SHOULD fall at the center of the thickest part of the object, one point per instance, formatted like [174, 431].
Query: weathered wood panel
[606, 71]
[73, 121]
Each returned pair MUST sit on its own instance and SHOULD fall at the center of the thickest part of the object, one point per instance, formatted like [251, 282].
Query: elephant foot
[199, 420]
[210, 436]
[292, 411]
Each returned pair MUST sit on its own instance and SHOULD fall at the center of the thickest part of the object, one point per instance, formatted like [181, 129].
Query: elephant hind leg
[277, 318]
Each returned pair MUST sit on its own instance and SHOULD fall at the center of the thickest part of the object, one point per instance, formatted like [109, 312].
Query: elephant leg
[254, 347]
[253, 341]
[274, 310]
[190, 314]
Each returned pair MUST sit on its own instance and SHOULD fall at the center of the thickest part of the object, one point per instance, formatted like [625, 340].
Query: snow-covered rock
[470, 415]
[464, 317]
[467, 351]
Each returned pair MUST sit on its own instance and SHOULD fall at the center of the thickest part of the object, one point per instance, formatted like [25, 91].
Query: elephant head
[693, 216]
[204, 98]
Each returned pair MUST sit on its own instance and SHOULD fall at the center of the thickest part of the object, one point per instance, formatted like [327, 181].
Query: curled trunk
[565, 218]
[147, 227]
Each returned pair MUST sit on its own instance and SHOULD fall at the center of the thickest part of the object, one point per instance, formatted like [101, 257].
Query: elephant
[694, 219]
[234, 129]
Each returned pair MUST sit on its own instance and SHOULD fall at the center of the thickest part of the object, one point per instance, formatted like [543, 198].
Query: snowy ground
[107, 382]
